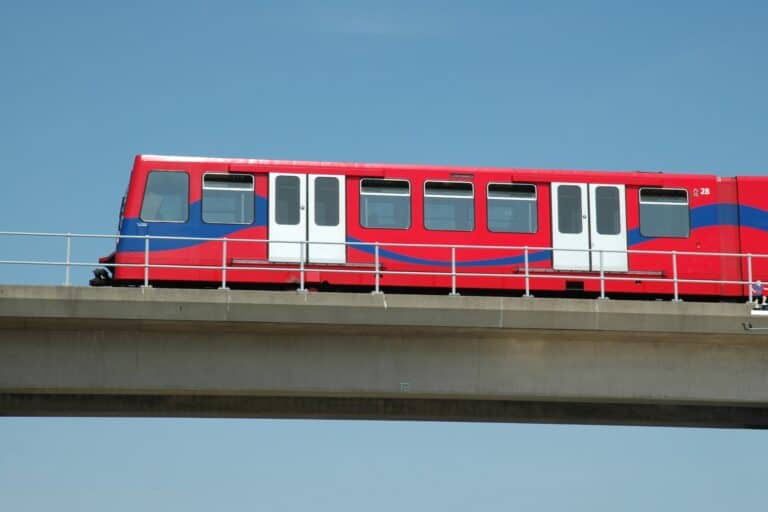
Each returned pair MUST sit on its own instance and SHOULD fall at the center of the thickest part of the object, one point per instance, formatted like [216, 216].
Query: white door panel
[287, 216]
[307, 218]
[570, 226]
[608, 226]
[327, 219]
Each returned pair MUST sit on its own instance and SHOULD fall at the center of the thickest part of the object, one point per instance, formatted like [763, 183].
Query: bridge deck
[163, 352]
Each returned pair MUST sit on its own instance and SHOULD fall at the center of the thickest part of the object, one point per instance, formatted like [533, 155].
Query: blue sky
[673, 86]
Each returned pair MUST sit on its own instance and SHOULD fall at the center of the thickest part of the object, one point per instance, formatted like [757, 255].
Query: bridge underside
[414, 409]
[179, 353]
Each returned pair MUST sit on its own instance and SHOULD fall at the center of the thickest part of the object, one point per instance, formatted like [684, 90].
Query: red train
[432, 227]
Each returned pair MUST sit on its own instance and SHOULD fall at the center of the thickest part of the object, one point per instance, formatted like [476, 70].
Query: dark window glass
[228, 198]
[512, 208]
[287, 200]
[663, 195]
[122, 214]
[664, 213]
[569, 209]
[388, 187]
[166, 198]
[385, 204]
[449, 206]
[326, 201]
[607, 206]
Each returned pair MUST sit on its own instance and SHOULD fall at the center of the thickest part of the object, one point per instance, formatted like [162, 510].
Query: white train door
[608, 226]
[588, 216]
[307, 208]
[570, 226]
[326, 219]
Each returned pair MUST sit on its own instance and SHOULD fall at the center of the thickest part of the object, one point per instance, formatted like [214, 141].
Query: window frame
[640, 202]
[144, 196]
[203, 188]
[424, 205]
[409, 195]
[488, 198]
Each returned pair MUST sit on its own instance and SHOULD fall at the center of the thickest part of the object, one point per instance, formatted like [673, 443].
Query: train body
[432, 227]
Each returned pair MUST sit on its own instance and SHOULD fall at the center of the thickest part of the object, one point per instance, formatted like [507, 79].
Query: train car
[188, 221]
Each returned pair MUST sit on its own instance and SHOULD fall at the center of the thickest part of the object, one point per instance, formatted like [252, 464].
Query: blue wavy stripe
[392, 255]
[720, 214]
[753, 217]
[193, 227]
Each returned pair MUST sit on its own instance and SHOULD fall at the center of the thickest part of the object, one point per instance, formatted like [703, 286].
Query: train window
[664, 213]
[166, 197]
[449, 206]
[607, 207]
[228, 198]
[385, 203]
[569, 209]
[287, 200]
[512, 208]
[327, 202]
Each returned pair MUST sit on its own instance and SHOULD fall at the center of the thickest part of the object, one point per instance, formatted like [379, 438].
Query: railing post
[223, 264]
[527, 274]
[69, 259]
[301, 267]
[749, 276]
[453, 271]
[602, 276]
[674, 276]
[146, 261]
[377, 286]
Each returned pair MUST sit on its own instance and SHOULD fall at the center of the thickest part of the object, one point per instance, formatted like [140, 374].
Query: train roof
[358, 166]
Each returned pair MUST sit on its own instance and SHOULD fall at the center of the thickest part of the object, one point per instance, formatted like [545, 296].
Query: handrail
[378, 270]
[388, 244]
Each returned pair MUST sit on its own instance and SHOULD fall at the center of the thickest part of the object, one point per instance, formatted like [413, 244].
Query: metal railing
[378, 270]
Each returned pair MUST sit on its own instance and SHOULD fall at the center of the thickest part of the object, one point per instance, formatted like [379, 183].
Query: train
[251, 223]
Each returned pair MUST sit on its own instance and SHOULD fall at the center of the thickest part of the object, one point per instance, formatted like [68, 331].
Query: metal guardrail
[528, 272]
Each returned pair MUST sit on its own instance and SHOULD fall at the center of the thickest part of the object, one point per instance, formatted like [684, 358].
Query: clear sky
[653, 85]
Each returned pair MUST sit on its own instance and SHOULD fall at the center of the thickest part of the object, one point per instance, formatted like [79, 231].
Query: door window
[569, 209]
[287, 200]
[326, 202]
[607, 207]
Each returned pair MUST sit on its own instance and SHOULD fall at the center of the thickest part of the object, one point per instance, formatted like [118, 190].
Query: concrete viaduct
[72, 351]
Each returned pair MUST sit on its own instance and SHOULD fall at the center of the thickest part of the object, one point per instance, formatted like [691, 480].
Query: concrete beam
[156, 352]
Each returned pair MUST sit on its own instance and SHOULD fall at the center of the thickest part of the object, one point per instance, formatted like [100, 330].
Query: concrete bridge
[69, 351]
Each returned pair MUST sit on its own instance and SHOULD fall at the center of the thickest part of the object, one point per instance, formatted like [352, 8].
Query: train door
[569, 230]
[588, 216]
[608, 226]
[307, 208]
